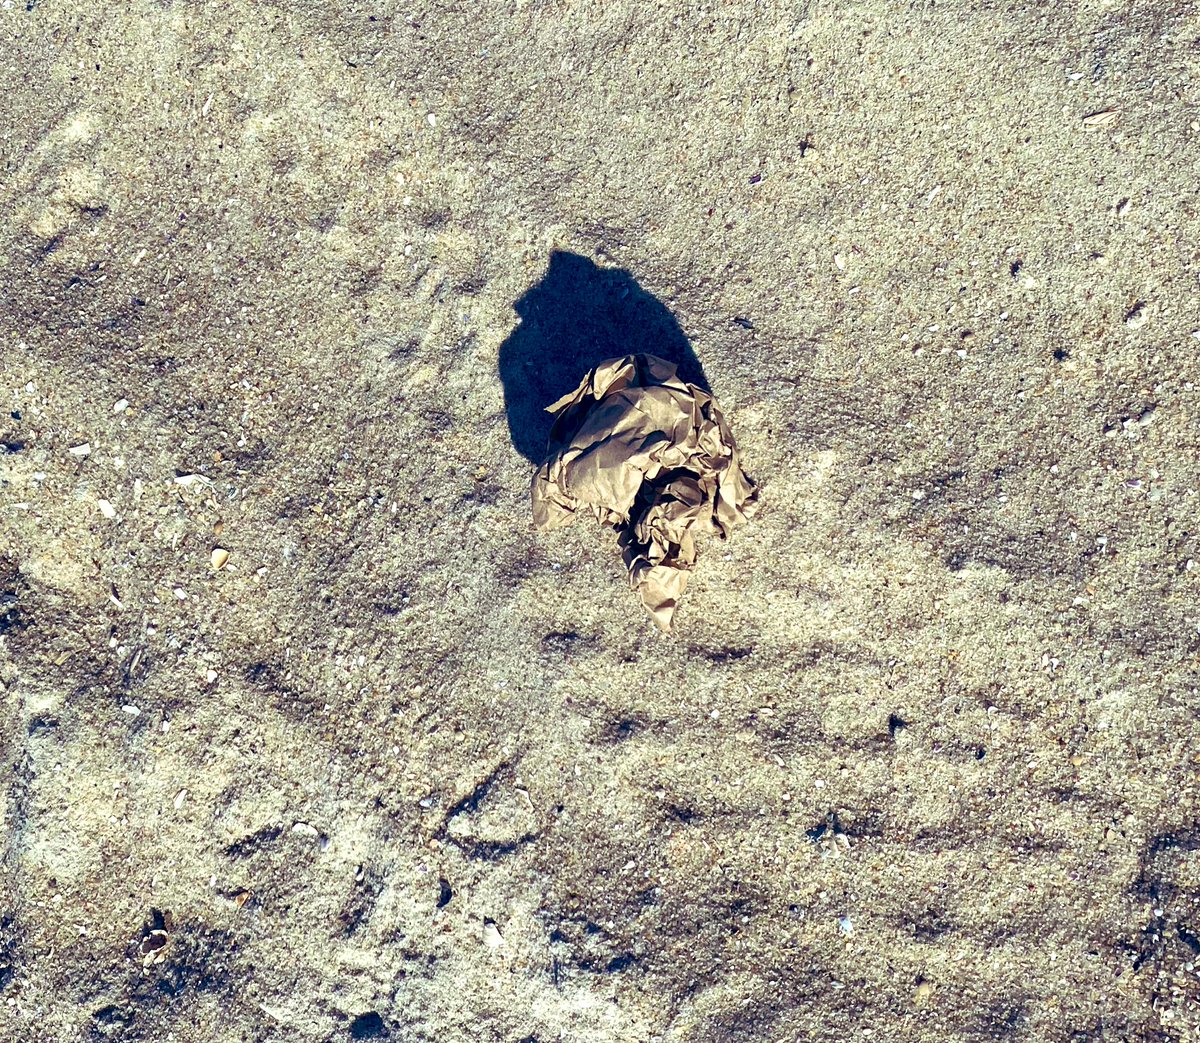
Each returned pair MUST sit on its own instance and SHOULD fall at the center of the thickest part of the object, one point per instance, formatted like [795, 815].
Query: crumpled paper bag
[651, 456]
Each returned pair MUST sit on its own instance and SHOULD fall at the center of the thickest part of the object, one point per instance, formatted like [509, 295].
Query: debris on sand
[651, 456]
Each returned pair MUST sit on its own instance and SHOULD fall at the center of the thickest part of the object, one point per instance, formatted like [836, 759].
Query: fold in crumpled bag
[653, 457]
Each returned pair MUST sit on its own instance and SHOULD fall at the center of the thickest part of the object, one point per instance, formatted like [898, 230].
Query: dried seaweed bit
[651, 456]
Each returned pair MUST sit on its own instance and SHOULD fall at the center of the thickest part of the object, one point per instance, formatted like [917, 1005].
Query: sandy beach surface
[306, 734]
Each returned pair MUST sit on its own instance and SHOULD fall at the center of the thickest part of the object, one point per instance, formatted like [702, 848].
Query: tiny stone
[491, 936]
[1137, 316]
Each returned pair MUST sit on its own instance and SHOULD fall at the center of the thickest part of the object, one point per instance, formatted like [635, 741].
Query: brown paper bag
[651, 456]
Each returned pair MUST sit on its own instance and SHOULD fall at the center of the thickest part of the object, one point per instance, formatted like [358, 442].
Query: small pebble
[1137, 316]
[121, 405]
[106, 508]
[491, 936]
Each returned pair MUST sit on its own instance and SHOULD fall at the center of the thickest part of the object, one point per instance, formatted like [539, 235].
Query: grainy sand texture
[306, 735]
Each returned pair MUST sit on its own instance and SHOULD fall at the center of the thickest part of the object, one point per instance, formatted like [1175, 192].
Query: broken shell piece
[153, 947]
[1102, 118]
[219, 557]
[651, 456]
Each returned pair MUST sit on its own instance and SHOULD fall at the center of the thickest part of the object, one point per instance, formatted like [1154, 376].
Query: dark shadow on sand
[575, 317]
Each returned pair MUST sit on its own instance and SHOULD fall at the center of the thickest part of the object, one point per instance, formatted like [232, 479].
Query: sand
[292, 282]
